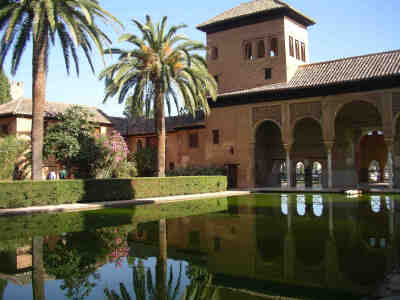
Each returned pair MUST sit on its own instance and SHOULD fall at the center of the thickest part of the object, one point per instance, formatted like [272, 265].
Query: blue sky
[344, 28]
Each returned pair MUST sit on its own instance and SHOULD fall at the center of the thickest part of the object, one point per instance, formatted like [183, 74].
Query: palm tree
[73, 22]
[161, 66]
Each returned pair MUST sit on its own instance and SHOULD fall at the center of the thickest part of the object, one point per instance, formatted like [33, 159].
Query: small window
[274, 47]
[193, 140]
[148, 142]
[4, 129]
[215, 134]
[260, 49]
[267, 73]
[248, 51]
[291, 46]
[303, 52]
[214, 53]
[297, 49]
[216, 77]
[139, 145]
[171, 165]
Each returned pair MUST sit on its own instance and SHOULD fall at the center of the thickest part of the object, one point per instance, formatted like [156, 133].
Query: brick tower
[257, 43]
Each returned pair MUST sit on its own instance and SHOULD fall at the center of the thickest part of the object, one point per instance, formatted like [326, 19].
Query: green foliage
[125, 169]
[5, 95]
[72, 142]
[161, 63]
[73, 22]
[11, 149]
[33, 193]
[197, 171]
[146, 161]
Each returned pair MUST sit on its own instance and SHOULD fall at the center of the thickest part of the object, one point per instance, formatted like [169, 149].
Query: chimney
[17, 90]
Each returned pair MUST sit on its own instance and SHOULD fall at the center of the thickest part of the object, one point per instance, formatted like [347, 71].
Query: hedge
[15, 194]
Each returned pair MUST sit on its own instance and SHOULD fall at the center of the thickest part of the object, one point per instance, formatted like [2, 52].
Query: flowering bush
[115, 239]
[116, 160]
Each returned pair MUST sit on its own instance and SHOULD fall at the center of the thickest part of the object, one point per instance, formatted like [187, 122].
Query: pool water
[260, 246]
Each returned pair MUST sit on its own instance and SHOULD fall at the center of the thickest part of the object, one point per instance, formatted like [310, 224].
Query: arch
[352, 151]
[308, 146]
[318, 205]
[301, 206]
[268, 154]
[302, 118]
[260, 49]
[284, 204]
[374, 172]
[248, 51]
[316, 173]
[300, 173]
[376, 204]
[345, 102]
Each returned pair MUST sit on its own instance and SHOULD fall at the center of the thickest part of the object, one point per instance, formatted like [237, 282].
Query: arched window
[273, 51]
[248, 51]
[260, 49]
[374, 172]
[214, 53]
[300, 174]
[316, 173]
[139, 145]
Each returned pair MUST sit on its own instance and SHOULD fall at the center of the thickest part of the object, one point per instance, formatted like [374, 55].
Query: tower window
[303, 52]
[193, 140]
[260, 49]
[274, 47]
[291, 46]
[215, 134]
[248, 51]
[214, 53]
[267, 73]
[297, 49]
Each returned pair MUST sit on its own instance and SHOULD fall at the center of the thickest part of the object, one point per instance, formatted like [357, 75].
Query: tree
[161, 66]
[73, 22]
[5, 95]
[72, 142]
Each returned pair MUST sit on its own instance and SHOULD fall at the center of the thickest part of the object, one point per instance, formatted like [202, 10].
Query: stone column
[288, 147]
[329, 146]
[389, 162]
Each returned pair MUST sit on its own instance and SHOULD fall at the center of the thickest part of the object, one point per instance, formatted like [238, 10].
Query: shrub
[146, 161]
[198, 171]
[31, 193]
[125, 169]
[11, 150]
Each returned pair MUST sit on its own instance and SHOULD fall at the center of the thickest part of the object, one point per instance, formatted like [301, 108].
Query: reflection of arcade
[294, 240]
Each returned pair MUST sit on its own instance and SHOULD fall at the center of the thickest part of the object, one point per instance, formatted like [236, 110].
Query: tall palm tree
[161, 66]
[73, 22]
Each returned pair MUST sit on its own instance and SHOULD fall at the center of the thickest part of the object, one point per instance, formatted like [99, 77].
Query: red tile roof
[351, 69]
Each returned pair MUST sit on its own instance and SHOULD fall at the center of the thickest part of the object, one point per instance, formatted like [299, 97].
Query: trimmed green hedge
[32, 193]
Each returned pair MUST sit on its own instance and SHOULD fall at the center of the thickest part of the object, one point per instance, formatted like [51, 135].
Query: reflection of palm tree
[3, 285]
[143, 282]
[38, 269]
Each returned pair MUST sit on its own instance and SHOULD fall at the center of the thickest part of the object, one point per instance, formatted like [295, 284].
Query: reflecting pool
[261, 246]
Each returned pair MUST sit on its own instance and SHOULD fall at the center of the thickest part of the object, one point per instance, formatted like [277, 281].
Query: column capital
[288, 147]
[329, 145]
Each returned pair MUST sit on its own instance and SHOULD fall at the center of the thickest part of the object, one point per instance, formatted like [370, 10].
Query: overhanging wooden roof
[262, 8]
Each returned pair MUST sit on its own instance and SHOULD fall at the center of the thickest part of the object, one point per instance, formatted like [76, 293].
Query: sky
[344, 28]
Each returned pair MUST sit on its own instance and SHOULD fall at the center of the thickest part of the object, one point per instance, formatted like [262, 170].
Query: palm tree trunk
[38, 269]
[161, 267]
[39, 74]
[160, 132]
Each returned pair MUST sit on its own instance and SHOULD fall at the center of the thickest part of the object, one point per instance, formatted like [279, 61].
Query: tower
[257, 43]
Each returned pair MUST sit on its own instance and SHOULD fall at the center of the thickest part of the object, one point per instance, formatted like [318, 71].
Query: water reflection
[301, 205]
[253, 246]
